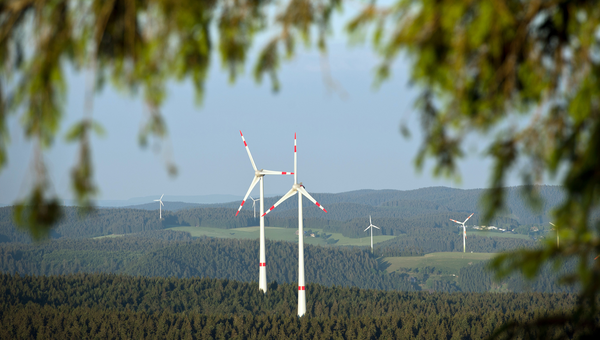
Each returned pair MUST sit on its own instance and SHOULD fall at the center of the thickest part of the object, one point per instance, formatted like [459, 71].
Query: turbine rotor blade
[305, 193]
[252, 185]
[161, 203]
[468, 217]
[271, 172]
[552, 224]
[248, 150]
[367, 228]
[285, 197]
[376, 227]
[162, 196]
[455, 221]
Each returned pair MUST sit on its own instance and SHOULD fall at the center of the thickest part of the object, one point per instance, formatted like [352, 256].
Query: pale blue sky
[344, 143]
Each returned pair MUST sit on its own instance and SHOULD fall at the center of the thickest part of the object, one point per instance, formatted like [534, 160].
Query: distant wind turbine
[464, 231]
[254, 204]
[371, 226]
[298, 188]
[160, 206]
[258, 177]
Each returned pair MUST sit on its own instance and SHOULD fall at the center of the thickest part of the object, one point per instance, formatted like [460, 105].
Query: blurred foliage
[523, 74]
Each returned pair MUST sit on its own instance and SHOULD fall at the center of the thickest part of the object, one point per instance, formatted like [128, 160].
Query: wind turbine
[254, 204]
[557, 237]
[371, 226]
[298, 188]
[258, 177]
[464, 231]
[160, 206]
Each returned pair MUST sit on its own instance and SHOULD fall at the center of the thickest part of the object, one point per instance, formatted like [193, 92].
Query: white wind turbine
[160, 206]
[299, 188]
[464, 231]
[254, 204]
[371, 226]
[258, 177]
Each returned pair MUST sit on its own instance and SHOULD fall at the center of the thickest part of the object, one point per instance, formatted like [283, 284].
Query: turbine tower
[254, 204]
[160, 204]
[557, 237]
[371, 226]
[258, 177]
[464, 231]
[298, 188]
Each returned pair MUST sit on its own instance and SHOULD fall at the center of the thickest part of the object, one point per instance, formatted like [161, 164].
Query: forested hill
[204, 257]
[396, 212]
[167, 253]
[398, 204]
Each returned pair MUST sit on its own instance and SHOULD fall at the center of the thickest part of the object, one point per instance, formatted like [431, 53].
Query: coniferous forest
[117, 306]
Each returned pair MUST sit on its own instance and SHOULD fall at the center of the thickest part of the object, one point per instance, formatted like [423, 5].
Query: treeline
[117, 306]
[215, 258]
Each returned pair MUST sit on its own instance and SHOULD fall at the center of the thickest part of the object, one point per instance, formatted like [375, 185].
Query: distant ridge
[135, 201]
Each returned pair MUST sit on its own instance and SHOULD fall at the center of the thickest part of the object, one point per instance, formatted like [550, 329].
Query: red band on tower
[301, 287]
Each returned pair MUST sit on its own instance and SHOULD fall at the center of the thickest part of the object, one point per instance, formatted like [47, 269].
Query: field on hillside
[495, 234]
[446, 262]
[282, 234]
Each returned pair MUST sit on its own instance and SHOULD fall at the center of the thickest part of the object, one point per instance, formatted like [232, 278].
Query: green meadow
[447, 262]
[282, 234]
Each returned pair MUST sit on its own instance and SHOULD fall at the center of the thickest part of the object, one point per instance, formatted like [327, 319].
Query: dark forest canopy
[108, 305]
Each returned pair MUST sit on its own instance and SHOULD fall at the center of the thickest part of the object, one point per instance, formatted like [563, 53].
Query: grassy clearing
[447, 262]
[281, 234]
[495, 234]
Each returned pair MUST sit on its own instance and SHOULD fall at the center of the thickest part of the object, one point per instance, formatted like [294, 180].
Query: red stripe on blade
[324, 210]
[317, 203]
[241, 205]
[273, 207]
[245, 143]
